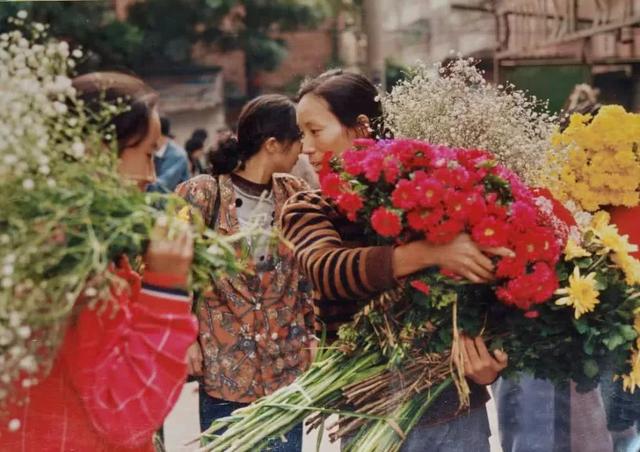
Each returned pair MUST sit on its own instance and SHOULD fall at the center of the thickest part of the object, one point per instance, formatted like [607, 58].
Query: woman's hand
[461, 256]
[464, 257]
[479, 365]
[171, 256]
[194, 360]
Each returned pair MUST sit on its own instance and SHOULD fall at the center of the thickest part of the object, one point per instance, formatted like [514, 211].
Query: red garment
[117, 375]
[628, 221]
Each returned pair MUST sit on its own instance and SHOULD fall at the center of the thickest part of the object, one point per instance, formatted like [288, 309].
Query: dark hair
[200, 134]
[266, 116]
[98, 88]
[348, 94]
[193, 144]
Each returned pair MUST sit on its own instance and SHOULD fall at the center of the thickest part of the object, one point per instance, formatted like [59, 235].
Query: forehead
[314, 108]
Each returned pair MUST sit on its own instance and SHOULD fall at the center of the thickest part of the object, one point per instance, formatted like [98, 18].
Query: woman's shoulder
[292, 183]
[202, 182]
[197, 188]
[309, 201]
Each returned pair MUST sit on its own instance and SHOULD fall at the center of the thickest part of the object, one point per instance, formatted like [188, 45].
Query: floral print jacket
[256, 330]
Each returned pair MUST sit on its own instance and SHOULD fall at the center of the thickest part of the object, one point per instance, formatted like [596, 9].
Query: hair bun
[226, 158]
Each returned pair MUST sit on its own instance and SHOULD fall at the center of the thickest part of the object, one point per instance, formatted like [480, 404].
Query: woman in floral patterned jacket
[256, 331]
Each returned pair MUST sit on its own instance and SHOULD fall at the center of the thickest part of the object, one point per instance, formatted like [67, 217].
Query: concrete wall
[427, 30]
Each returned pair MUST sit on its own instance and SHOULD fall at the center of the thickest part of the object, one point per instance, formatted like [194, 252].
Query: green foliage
[161, 33]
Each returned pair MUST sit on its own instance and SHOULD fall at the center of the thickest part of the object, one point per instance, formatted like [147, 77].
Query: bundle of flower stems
[352, 380]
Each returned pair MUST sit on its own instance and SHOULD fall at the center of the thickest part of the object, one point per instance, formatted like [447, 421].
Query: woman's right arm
[339, 271]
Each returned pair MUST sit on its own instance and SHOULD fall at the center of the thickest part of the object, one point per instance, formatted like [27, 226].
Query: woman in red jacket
[120, 368]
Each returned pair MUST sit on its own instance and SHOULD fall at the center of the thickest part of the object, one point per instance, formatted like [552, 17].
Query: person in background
[121, 365]
[195, 147]
[170, 160]
[256, 330]
[304, 170]
[333, 110]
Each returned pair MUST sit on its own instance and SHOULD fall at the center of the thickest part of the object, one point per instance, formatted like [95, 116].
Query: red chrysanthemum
[405, 196]
[523, 216]
[420, 286]
[536, 244]
[331, 185]
[445, 231]
[373, 164]
[431, 191]
[325, 167]
[491, 232]
[456, 204]
[386, 223]
[423, 219]
[475, 207]
[352, 161]
[456, 177]
[391, 169]
[534, 288]
[350, 203]
[511, 267]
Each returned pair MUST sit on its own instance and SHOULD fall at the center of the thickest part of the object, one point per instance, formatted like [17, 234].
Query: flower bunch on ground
[453, 105]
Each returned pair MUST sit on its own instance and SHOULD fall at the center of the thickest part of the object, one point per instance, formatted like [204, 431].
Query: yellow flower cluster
[618, 246]
[582, 292]
[598, 159]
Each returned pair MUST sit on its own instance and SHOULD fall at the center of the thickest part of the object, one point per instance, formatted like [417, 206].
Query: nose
[307, 147]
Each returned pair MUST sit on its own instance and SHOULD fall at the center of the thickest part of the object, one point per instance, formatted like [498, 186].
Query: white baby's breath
[454, 105]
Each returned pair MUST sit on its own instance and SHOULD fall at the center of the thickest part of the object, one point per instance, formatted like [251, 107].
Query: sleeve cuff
[380, 268]
[164, 280]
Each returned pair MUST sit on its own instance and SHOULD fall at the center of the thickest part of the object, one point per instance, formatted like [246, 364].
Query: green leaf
[581, 325]
[628, 332]
[591, 368]
[614, 341]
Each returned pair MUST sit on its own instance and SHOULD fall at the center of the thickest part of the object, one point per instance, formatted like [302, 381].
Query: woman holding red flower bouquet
[334, 110]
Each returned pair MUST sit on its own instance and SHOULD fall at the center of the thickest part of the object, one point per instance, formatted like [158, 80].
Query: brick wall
[309, 54]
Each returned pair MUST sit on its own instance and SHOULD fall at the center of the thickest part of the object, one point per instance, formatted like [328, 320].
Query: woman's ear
[272, 146]
[363, 128]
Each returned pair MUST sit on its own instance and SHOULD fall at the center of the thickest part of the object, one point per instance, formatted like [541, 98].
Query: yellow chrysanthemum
[611, 239]
[574, 251]
[185, 214]
[631, 381]
[600, 219]
[636, 323]
[582, 293]
[630, 267]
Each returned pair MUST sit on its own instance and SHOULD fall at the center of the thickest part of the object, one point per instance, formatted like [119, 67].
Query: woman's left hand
[479, 365]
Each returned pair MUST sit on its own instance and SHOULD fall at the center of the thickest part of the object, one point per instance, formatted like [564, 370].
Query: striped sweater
[344, 270]
[329, 249]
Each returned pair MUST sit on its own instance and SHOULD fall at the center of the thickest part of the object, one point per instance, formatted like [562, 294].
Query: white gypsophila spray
[454, 105]
[67, 214]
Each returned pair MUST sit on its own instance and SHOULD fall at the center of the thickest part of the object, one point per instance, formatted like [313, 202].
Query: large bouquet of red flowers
[406, 189]
[560, 294]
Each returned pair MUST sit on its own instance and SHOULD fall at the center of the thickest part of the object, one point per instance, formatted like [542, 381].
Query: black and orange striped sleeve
[337, 270]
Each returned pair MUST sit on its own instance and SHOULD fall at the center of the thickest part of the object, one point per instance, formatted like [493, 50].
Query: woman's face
[285, 158]
[322, 130]
[136, 162]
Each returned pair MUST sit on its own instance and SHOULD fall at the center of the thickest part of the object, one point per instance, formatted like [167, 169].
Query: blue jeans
[533, 415]
[466, 433]
[212, 409]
